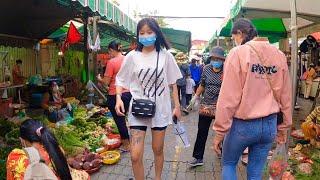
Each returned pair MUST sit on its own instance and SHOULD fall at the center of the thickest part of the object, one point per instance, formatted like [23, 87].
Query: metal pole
[94, 54]
[294, 49]
[294, 58]
[218, 39]
[86, 53]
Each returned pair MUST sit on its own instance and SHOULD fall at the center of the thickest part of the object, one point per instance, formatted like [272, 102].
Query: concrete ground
[175, 166]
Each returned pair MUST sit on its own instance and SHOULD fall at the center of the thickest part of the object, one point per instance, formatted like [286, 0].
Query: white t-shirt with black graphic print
[137, 74]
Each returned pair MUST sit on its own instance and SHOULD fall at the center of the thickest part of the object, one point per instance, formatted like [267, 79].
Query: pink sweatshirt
[245, 92]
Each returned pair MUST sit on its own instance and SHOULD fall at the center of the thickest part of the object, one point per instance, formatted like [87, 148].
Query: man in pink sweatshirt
[247, 107]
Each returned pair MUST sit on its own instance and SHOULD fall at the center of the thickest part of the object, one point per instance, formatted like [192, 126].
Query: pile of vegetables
[6, 126]
[69, 140]
[12, 137]
[9, 134]
[305, 163]
[87, 161]
[88, 130]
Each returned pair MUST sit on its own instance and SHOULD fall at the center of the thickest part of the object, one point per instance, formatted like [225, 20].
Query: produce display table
[19, 86]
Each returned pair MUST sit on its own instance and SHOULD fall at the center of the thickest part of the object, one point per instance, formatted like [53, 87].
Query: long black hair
[246, 27]
[161, 41]
[28, 131]
[115, 45]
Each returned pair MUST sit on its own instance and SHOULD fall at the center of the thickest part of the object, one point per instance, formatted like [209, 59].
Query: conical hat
[181, 58]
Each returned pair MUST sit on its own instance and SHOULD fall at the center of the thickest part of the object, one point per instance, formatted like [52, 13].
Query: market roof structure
[34, 19]
[272, 17]
[108, 11]
[37, 19]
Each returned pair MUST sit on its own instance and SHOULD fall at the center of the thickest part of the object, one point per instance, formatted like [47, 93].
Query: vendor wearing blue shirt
[195, 72]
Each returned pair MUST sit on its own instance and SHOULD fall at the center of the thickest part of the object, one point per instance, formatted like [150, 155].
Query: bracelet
[119, 94]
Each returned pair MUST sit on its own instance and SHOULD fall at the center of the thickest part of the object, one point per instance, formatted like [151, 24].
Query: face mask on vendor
[216, 63]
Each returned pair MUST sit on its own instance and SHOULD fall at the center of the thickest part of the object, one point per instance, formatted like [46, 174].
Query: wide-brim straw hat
[181, 57]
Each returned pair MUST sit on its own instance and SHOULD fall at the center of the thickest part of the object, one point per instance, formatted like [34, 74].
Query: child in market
[189, 88]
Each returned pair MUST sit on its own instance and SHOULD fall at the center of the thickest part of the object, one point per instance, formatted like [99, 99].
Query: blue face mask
[216, 64]
[148, 40]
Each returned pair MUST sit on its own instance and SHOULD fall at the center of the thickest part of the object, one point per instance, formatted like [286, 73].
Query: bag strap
[155, 82]
[33, 155]
[264, 64]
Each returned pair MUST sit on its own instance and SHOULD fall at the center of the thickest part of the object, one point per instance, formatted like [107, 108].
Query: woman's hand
[176, 112]
[281, 137]
[217, 144]
[120, 107]
[193, 101]
[99, 78]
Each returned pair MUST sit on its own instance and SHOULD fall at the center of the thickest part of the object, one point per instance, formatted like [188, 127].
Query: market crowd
[242, 93]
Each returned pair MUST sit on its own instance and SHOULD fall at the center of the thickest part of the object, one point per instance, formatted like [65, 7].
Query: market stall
[89, 139]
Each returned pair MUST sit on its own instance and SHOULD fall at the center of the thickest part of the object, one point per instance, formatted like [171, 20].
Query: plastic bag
[279, 162]
[196, 105]
[181, 134]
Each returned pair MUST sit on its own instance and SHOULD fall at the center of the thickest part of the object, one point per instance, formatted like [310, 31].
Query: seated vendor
[35, 136]
[311, 127]
[53, 103]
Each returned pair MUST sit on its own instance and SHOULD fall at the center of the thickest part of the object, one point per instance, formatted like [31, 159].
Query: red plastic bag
[112, 141]
[279, 162]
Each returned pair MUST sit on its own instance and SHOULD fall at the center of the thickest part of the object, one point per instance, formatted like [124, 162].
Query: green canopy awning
[179, 39]
[107, 33]
[108, 11]
[273, 28]
[272, 17]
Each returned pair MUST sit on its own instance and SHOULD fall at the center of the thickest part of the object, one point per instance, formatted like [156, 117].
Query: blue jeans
[258, 135]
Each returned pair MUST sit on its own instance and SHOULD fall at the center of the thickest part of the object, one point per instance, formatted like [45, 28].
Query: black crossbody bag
[145, 108]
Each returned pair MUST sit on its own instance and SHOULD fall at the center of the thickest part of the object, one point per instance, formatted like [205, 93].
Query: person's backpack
[37, 168]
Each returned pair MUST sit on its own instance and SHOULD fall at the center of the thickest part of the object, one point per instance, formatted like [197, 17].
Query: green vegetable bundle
[6, 126]
[12, 137]
[69, 140]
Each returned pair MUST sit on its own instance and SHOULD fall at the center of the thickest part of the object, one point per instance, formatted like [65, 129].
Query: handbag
[145, 108]
[279, 114]
[207, 110]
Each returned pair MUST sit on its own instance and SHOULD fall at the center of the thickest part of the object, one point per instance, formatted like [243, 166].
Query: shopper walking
[195, 71]
[109, 79]
[148, 73]
[256, 86]
[209, 88]
[310, 75]
[182, 61]
[190, 85]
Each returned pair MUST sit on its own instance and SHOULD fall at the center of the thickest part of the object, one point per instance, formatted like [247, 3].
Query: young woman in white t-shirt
[138, 75]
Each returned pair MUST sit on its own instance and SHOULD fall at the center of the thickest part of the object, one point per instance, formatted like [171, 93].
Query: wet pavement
[175, 165]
